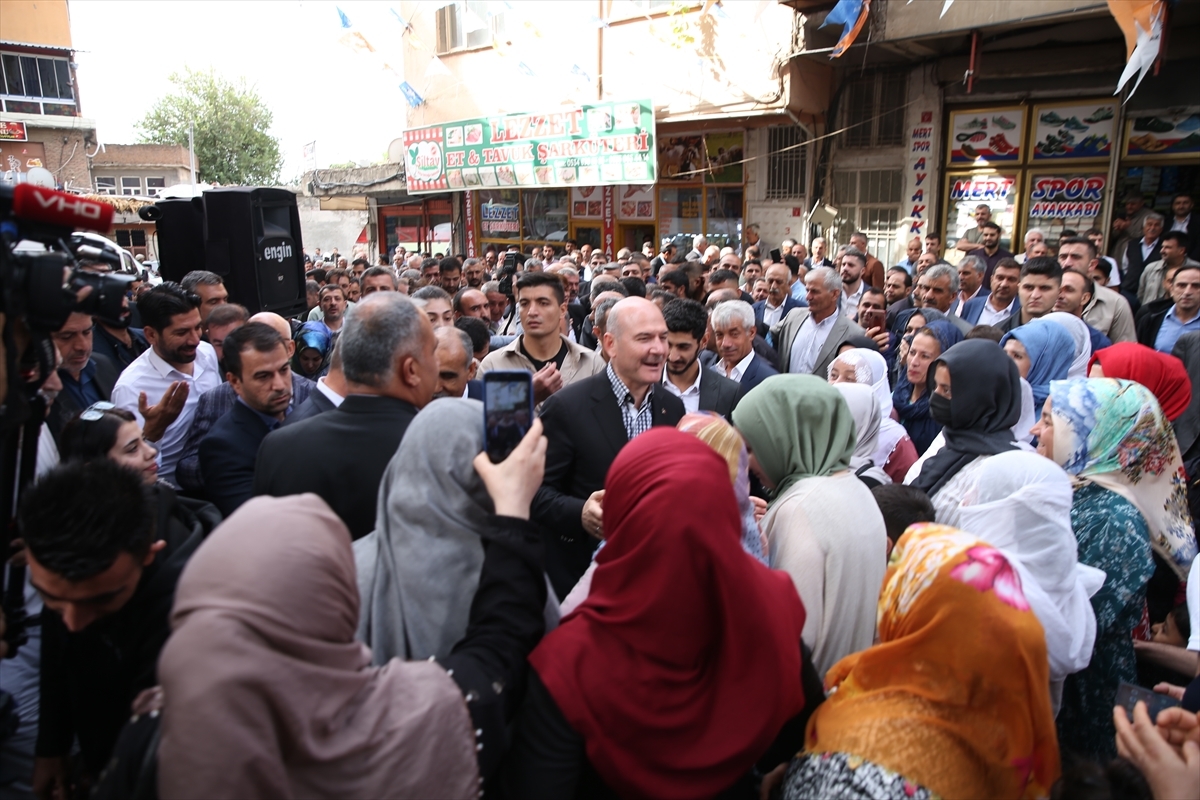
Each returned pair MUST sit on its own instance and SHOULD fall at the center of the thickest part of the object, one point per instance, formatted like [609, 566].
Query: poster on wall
[681, 158]
[983, 136]
[635, 203]
[1072, 200]
[588, 145]
[965, 193]
[13, 132]
[587, 202]
[1073, 131]
[17, 158]
[724, 153]
[1164, 135]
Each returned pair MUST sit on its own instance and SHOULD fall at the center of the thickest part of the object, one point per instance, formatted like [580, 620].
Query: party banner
[588, 145]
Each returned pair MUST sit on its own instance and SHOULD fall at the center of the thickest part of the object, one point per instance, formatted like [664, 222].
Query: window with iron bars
[873, 110]
[869, 201]
[787, 162]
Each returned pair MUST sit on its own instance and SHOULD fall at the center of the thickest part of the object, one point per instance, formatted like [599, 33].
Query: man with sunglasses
[178, 368]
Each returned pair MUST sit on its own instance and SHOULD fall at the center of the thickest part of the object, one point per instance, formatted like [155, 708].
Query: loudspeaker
[180, 226]
[252, 240]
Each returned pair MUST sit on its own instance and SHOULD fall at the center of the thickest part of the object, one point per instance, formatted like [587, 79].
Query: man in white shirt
[734, 330]
[178, 368]
[970, 282]
[687, 336]
[807, 337]
[853, 264]
[1033, 236]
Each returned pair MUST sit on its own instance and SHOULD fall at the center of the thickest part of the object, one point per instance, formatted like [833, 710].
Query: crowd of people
[787, 523]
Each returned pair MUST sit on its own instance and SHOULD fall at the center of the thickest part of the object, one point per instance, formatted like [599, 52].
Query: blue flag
[410, 94]
[344, 18]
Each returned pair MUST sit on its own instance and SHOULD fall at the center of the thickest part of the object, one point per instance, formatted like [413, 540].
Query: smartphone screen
[775, 256]
[872, 318]
[1128, 696]
[507, 411]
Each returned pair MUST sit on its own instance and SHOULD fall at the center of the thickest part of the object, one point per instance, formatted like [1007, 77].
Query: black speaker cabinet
[179, 223]
[252, 240]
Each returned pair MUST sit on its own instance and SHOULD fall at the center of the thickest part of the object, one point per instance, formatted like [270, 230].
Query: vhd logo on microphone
[67, 204]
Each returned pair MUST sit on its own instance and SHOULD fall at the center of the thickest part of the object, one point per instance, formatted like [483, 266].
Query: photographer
[105, 553]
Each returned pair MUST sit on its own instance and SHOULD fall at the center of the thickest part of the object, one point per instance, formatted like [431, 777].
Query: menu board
[586, 145]
[979, 137]
[1074, 131]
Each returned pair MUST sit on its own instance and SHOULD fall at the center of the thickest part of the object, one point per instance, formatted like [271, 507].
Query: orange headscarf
[955, 697]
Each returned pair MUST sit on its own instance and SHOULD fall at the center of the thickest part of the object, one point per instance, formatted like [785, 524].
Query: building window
[131, 186]
[787, 162]
[106, 185]
[36, 77]
[154, 186]
[464, 25]
[131, 238]
[874, 110]
[869, 201]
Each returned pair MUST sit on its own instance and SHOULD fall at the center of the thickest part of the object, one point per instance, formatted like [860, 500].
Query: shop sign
[469, 202]
[13, 132]
[17, 158]
[985, 136]
[1072, 197]
[609, 227]
[1073, 131]
[992, 188]
[499, 218]
[587, 202]
[1166, 135]
[587, 145]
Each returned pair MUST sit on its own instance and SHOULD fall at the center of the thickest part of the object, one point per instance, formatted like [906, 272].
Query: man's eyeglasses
[96, 410]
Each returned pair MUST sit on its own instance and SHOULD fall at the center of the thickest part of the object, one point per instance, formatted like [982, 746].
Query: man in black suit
[259, 372]
[587, 424]
[1138, 254]
[769, 312]
[699, 389]
[389, 360]
[328, 393]
[87, 377]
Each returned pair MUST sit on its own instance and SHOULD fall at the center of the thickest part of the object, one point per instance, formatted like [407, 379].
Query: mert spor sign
[1067, 196]
[587, 145]
[982, 189]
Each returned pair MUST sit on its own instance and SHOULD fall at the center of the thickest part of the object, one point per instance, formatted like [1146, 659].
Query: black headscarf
[985, 404]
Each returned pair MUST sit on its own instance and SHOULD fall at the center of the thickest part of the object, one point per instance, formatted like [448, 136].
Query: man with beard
[177, 368]
[699, 389]
[86, 377]
[258, 367]
[472, 273]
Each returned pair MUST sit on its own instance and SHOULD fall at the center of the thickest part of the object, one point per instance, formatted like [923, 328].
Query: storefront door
[633, 236]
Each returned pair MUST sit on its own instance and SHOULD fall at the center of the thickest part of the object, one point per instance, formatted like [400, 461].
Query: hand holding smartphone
[507, 411]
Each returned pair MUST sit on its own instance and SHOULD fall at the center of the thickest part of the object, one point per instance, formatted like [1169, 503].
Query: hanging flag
[437, 67]
[851, 15]
[1141, 21]
[473, 22]
[525, 69]
[410, 94]
[310, 150]
[599, 22]
[344, 18]
[945, 7]
[405, 24]
[580, 72]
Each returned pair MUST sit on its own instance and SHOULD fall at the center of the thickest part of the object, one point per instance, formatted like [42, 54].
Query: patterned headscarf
[1114, 434]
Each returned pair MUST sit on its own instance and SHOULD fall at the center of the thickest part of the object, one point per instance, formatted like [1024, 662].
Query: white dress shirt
[808, 343]
[962, 302]
[333, 396]
[150, 374]
[850, 301]
[772, 314]
[739, 369]
[691, 395]
[990, 316]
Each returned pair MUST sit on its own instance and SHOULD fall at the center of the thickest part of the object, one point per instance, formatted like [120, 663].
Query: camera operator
[87, 377]
[105, 552]
[177, 368]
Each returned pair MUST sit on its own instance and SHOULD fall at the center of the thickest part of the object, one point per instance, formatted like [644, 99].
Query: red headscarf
[683, 663]
[1164, 375]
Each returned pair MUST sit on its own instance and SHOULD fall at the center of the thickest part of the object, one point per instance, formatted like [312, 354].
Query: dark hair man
[209, 287]
[851, 266]
[675, 281]
[258, 366]
[431, 270]
[897, 290]
[621, 402]
[1160, 329]
[1001, 302]
[1041, 281]
[973, 239]
[175, 371]
[1107, 311]
[388, 354]
[449, 274]
[1174, 250]
[105, 553]
[989, 249]
[222, 321]
[333, 307]
[470, 303]
[901, 506]
[86, 377]
[684, 377]
[554, 360]
[473, 273]
[873, 272]
[476, 328]
[378, 279]
[359, 266]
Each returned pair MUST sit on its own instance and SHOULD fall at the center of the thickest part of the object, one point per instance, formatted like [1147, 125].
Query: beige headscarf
[269, 695]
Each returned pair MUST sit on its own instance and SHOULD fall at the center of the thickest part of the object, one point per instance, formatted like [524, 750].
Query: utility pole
[192, 149]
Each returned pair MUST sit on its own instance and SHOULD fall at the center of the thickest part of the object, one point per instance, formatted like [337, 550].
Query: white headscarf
[1082, 338]
[1022, 506]
[871, 370]
[1028, 417]
[864, 408]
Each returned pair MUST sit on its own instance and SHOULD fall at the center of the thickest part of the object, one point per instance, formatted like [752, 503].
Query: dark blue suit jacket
[475, 390]
[227, 457]
[758, 371]
[789, 303]
[974, 308]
